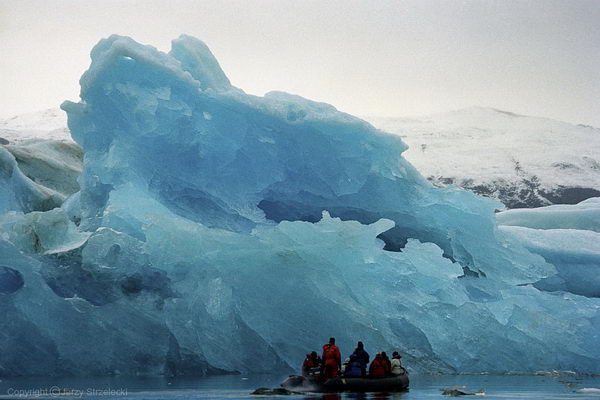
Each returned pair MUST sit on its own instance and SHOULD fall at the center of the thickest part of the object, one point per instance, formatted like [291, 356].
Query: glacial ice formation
[567, 236]
[582, 216]
[18, 192]
[55, 165]
[217, 231]
[48, 162]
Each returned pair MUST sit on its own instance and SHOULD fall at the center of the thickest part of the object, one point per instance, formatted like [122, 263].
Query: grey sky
[386, 58]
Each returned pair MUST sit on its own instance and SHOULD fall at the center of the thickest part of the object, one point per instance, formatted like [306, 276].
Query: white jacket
[396, 367]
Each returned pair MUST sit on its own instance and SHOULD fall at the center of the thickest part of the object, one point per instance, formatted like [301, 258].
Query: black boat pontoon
[298, 383]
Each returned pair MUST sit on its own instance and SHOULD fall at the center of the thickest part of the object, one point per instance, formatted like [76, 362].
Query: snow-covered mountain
[521, 160]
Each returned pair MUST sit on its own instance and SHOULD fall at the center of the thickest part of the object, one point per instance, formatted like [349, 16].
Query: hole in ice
[11, 280]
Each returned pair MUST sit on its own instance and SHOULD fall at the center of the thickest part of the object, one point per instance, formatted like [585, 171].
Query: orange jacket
[331, 352]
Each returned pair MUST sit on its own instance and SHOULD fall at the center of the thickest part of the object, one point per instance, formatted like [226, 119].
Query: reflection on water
[353, 396]
[240, 387]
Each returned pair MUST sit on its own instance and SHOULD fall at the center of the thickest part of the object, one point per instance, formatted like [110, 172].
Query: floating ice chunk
[574, 248]
[585, 215]
[588, 390]
[581, 244]
[273, 225]
[575, 253]
[239, 207]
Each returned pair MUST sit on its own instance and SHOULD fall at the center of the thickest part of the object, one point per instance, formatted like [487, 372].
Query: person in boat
[358, 362]
[307, 365]
[316, 359]
[311, 364]
[388, 363]
[396, 365]
[378, 367]
[345, 366]
[332, 360]
[351, 368]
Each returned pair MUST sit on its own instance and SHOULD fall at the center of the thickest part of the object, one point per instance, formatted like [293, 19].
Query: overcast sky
[384, 58]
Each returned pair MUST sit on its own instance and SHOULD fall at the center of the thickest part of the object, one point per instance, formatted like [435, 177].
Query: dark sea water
[240, 387]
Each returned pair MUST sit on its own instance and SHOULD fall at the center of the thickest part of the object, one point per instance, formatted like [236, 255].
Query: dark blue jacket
[361, 357]
[354, 369]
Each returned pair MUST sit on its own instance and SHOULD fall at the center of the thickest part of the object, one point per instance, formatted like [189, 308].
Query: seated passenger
[354, 368]
[307, 365]
[360, 356]
[397, 368]
[311, 365]
[316, 359]
[388, 364]
[345, 366]
[378, 367]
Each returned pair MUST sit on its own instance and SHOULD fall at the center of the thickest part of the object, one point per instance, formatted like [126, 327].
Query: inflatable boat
[296, 383]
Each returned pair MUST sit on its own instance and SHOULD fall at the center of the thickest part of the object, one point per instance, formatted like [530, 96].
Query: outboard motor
[297, 383]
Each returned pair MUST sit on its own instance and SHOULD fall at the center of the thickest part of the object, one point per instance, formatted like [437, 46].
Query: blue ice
[218, 231]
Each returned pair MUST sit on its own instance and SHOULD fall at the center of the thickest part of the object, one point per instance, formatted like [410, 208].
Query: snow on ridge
[486, 147]
[45, 124]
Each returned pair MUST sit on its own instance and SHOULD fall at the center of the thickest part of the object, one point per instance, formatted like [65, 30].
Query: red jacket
[378, 368]
[331, 352]
[309, 363]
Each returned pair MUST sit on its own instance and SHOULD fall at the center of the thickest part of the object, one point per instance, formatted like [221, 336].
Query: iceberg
[582, 216]
[567, 236]
[215, 231]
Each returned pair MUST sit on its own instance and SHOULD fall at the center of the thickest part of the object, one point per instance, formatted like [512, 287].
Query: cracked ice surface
[216, 230]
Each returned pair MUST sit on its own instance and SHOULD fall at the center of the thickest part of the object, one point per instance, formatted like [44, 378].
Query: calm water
[240, 387]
